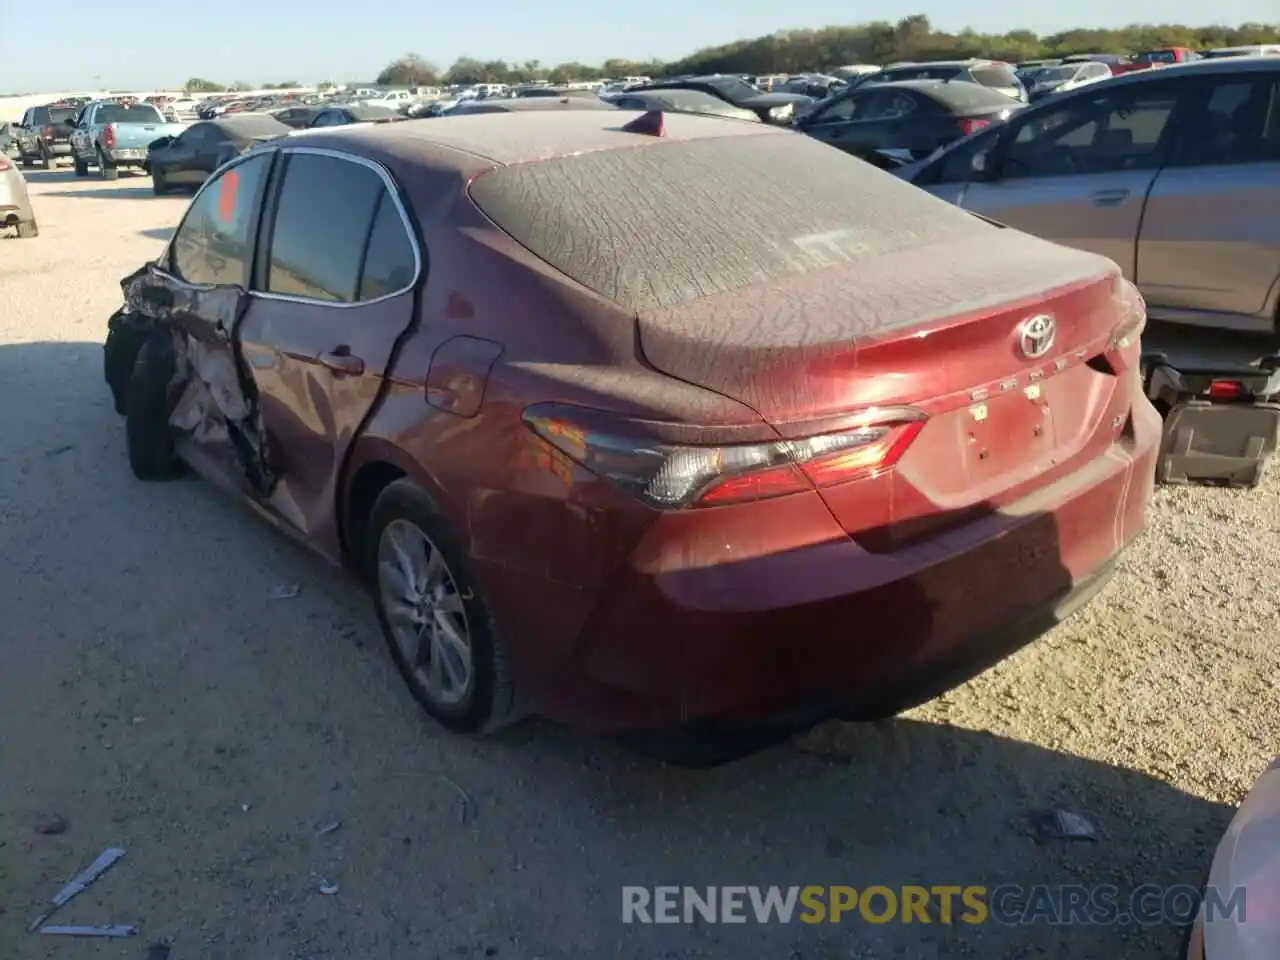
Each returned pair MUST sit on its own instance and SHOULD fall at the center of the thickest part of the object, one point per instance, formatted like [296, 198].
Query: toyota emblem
[1036, 334]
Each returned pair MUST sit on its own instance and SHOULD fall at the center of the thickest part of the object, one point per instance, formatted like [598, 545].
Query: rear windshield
[969, 96]
[141, 113]
[658, 226]
[916, 73]
[61, 114]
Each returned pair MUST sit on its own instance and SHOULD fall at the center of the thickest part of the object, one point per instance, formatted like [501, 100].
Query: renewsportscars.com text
[945, 904]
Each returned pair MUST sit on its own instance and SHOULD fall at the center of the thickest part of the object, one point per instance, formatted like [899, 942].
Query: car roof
[940, 63]
[1226, 65]
[511, 138]
[529, 104]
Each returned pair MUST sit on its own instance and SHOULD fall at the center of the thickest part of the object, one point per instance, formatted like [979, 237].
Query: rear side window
[389, 264]
[995, 76]
[321, 224]
[714, 216]
[1239, 123]
[338, 235]
[214, 244]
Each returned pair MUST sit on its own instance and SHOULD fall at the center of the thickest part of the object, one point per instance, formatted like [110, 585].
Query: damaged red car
[690, 431]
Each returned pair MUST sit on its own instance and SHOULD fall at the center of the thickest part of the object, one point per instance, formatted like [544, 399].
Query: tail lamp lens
[968, 126]
[1226, 390]
[676, 477]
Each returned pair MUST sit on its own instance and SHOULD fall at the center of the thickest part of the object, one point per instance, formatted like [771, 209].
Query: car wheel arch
[373, 466]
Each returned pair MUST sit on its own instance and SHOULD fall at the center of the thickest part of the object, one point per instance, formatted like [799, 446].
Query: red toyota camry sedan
[675, 427]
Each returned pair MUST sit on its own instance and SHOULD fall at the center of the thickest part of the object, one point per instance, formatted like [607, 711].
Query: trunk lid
[939, 328]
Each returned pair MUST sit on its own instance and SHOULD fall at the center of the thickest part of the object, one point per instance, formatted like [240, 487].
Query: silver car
[15, 204]
[1171, 173]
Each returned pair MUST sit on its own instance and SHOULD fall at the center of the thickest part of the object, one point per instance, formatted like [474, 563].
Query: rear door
[1211, 233]
[1077, 171]
[180, 157]
[860, 123]
[332, 296]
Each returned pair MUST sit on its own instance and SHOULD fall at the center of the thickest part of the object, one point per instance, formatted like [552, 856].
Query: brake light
[675, 477]
[1225, 390]
[109, 135]
[48, 133]
[969, 125]
[1132, 309]
[4, 163]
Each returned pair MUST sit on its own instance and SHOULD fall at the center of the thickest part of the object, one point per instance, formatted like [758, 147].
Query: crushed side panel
[215, 402]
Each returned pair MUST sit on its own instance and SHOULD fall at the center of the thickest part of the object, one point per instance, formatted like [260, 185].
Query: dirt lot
[158, 699]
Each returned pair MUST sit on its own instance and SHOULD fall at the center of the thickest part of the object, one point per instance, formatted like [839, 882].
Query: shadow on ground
[520, 844]
[121, 192]
[158, 233]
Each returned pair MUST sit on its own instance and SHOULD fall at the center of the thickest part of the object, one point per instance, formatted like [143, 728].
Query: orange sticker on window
[228, 194]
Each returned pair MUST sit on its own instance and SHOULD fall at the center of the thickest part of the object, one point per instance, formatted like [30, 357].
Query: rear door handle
[340, 360]
[1110, 198]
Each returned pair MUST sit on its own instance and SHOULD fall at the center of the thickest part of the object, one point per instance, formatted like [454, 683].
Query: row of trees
[795, 51]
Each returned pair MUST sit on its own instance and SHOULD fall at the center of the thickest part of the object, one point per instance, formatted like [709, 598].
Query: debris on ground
[285, 591]
[59, 451]
[51, 824]
[158, 951]
[106, 930]
[110, 857]
[328, 888]
[333, 826]
[467, 808]
[245, 807]
[1062, 825]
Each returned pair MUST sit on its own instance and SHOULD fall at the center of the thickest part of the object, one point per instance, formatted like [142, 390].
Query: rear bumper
[791, 637]
[126, 156]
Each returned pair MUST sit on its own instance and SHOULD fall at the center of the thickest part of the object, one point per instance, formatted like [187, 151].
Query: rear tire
[81, 168]
[48, 160]
[485, 704]
[159, 183]
[107, 170]
[28, 229]
[148, 436]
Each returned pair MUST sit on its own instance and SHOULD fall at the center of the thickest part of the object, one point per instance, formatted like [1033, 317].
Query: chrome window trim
[388, 183]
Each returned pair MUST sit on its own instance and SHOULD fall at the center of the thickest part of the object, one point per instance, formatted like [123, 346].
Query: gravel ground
[156, 698]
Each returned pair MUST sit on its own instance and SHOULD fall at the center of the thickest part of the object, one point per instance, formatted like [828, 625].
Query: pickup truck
[42, 134]
[113, 136]
[1161, 57]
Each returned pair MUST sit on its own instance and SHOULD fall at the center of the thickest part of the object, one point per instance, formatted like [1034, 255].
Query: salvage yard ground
[157, 698]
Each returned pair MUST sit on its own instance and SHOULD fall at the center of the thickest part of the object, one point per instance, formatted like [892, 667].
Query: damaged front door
[333, 295]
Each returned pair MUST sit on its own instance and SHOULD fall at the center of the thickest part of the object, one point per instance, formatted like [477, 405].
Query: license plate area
[1007, 431]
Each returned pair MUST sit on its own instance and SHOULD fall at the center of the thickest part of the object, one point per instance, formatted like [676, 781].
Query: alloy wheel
[425, 612]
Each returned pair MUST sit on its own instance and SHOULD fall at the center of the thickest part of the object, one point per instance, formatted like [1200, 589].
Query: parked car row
[1171, 174]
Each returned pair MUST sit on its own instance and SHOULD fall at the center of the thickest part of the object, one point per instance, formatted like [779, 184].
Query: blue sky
[69, 44]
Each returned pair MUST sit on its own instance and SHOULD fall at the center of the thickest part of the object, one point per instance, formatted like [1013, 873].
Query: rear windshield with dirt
[142, 113]
[656, 226]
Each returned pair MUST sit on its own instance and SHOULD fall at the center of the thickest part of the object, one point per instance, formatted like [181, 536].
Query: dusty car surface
[15, 203]
[605, 460]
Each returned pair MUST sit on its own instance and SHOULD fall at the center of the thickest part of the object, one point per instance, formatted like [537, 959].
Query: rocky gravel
[155, 697]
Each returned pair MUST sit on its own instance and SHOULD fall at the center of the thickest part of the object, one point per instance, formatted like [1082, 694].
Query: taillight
[675, 477]
[969, 125]
[48, 133]
[1132, 319]
[1225, 390]
[4, 163]
[109, 135]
